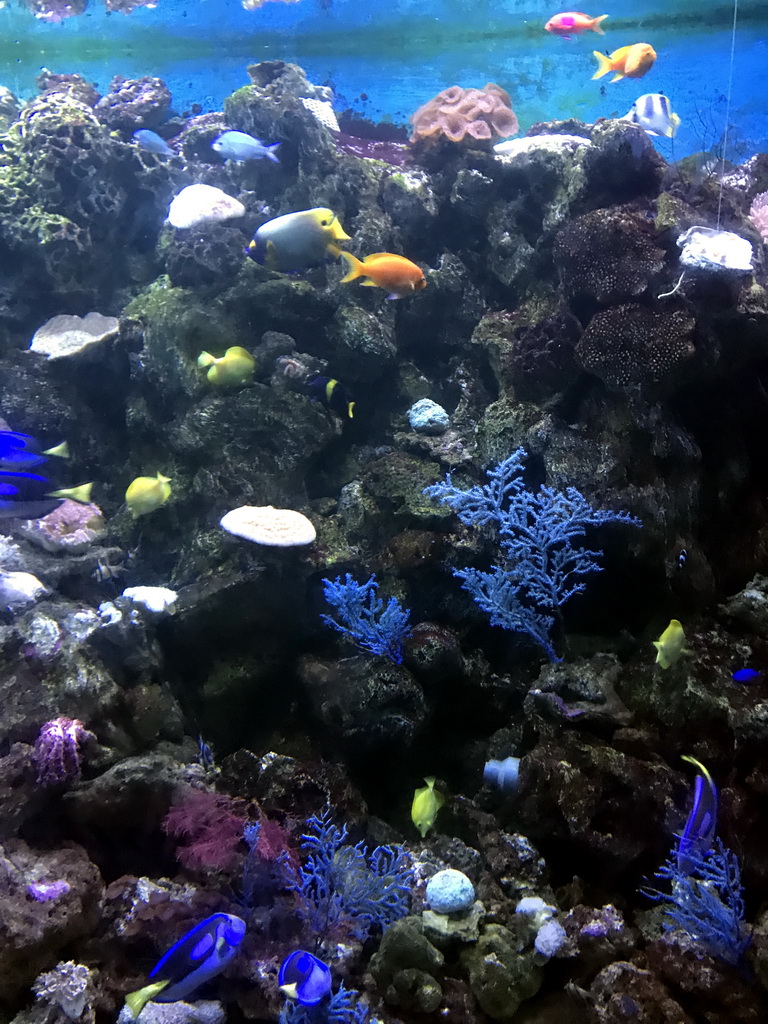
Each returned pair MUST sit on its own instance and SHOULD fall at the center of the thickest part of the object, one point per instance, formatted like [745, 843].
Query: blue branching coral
[342, 1008]
[541, 568]
[706, 901]
[341, 886]
[363, 616]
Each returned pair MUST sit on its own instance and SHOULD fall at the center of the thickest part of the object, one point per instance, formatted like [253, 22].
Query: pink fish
[572, 23]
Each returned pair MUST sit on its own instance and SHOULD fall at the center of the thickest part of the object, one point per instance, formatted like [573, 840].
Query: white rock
[19, 588]
[549, 143]
[65, 335]
[202, 204]
[719, 251]
[154, 599]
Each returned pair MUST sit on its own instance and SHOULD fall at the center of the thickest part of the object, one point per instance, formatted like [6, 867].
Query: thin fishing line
[727, 108]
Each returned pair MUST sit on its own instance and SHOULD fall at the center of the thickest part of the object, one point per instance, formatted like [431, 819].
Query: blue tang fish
[197, 957]
[700, 827]
[29, 496]
[152, 142]
[22, 451]
[304, 978]
[239, 146]
[746, 675]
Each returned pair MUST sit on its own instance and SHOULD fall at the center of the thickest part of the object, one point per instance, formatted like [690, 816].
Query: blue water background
[387, 63]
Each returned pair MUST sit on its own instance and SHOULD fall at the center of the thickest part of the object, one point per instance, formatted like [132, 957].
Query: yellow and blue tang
[297, 241]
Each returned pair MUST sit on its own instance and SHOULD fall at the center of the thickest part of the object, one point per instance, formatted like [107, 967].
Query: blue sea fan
[342, 886]
[374, 626]
[541, 568]
[706, 901]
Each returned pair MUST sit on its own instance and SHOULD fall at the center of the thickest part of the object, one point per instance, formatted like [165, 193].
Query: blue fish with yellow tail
[23, 451]
[304, 978]
[197, 957]
[699, 832]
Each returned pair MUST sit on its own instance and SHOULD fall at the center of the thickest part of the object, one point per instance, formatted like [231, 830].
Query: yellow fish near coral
[626, 62]
[426, 803]
[146, 493]
[670, 647]
[236, 366]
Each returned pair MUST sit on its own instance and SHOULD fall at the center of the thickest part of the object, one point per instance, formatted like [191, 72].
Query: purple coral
[44, 892]
[56, 754]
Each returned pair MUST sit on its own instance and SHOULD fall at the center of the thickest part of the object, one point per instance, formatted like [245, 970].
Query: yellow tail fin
[596, 24]
[604, 64]
[205, 359]
[355, 267]
[136, 1001]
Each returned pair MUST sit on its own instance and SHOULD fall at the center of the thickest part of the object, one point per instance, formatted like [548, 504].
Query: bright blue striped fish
[699, 831]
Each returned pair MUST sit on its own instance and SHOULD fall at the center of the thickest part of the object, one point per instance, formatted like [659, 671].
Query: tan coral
[273, 527]
[456, 113]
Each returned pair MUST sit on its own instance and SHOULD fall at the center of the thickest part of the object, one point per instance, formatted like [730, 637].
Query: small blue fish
[503, 775]
[700, 827]
[205, 754]
[304, 978]
[22, 451]
[746, 675]
[239, 146]
[152, 142]
[197, 957]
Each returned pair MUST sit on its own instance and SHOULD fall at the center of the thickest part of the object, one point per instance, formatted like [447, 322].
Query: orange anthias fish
[385, 270]
[627, 62]
[571, 23]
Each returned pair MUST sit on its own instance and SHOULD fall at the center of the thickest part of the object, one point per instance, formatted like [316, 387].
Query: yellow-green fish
[426, 803]
[236, 366]
[297, 241]
[146, 493]
[670, 646]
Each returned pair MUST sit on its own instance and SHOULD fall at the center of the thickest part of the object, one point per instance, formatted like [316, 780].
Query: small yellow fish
[81, 493]
[426, 803]
[236, 366]
[670, 646]
[146, 493]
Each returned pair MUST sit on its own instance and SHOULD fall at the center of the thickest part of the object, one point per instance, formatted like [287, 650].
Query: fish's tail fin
[604, 64]
[205, 359]
[354, 267]
[595, 26]
[136, 1001]
[60, 451]
[351, 410]
[618, 77]
[82, 493]
[674, 124]
[271, 151]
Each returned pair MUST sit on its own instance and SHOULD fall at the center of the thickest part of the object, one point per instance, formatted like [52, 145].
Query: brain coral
[456, 112]
[607, 254]
[630, 345]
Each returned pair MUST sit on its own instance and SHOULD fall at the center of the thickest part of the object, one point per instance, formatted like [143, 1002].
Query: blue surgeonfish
[239, 146]
[700, 827]
[653, 113]
[23, 451]
[297, 241]
[304, 978]
[197, 957]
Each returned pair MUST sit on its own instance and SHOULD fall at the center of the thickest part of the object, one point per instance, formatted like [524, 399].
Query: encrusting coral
[456, 113]
[608, 254]
[631, 344]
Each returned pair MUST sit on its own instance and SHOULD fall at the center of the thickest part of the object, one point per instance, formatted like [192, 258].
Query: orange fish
[627, 62]
[571, 23]
[385, 270]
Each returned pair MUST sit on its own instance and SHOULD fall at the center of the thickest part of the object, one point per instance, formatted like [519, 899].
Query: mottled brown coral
[630, 344]
[608, 254]
[456, 113]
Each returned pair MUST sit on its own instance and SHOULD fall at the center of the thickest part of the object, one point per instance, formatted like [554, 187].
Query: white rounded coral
[273, 527]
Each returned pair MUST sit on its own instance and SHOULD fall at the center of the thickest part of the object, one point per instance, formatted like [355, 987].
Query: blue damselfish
[304, 978]
[197, 957]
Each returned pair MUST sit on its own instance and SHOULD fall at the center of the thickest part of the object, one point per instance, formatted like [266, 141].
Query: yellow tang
[670, 646]
[236, 366]
[426, 803]
[146, 493]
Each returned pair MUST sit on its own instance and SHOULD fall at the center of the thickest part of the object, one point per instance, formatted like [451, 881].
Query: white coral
[68, 986]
